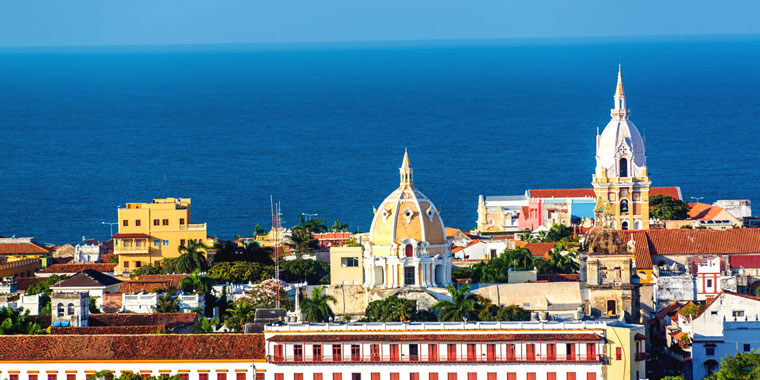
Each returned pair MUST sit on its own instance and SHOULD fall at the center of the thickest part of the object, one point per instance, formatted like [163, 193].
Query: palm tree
[461, 306]
[557, 262]
[518, 259]
[192, 257]
[167, 303]
[258, 231]
[316, 308]
[238, 315]
[205, 325]
[339, 227]
[196, 283]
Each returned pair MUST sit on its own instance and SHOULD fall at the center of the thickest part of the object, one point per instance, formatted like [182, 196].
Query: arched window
[624, 225]
[60, 310]
[409, 250]
[636, 224]
[70, 309]
[623, 167]
[624, 206]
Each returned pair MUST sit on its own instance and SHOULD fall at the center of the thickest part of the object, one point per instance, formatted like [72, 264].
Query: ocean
[322, 127]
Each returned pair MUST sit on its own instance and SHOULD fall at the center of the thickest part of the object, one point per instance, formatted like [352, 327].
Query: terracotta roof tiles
[699, 241]
[536, 249]
[74, 268]
[703, 211]
[131, 347]
[432, 337]
[744, 261]
[672, 191]
[24, 249]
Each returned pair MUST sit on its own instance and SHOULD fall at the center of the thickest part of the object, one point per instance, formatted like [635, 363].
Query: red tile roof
[24, 249]
[703, 211]
[559, 277]
[74, 268]
[131, 236]
[333, 236]
[641, 255]
[106, 330]
[173, 279]
[432, 337]
[536, 249]
[698, 241]
[179, 347]
[470, 244]
[672, 191]
[744, 261]
[22, 283]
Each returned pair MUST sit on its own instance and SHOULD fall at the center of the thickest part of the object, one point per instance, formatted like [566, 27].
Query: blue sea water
[322, 128]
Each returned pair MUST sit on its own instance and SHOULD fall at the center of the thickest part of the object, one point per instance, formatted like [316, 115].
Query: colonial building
[149, 232]
[621, 181]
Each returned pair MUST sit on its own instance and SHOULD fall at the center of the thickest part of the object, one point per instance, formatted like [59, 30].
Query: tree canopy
[14, 322]
[316, 308]
[664, 207]
[742, 366]
[192, 257]
[227, 251]
[395, 309]
[314, 272]
[238, 272]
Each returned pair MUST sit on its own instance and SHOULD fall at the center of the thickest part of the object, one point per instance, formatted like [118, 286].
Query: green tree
[317, 308]
[163, 266]
[301, 239]
[512, 313]
[14, 322]
[238, 315]
[93, 305]
[196, 283]
[743, 366]
[192, 257]
[672, 378]
[518, 259]
[205, 325]
[664, 207]
[43, 286]
[337, 226]
[258, 231]
[461, 306]
[691, 310]
[167, 302]
[314, 272]
[237, 272]
[227, 251]
[395, 309]
[557, 262]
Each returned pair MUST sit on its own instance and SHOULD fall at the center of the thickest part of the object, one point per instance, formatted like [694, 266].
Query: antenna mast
[276, 228]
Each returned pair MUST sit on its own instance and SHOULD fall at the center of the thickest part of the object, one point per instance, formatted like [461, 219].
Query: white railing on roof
[421, 326]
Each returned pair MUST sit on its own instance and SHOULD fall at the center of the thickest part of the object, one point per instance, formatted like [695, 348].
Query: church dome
[620, 139]
[407, 215]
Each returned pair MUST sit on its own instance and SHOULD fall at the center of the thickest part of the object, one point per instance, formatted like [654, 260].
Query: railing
[426, 359]
[192, 227]
[132, 250]
[641, 356]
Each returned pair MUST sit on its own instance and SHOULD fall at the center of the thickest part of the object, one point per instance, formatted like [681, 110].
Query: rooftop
[673, 191]
[87, 278]
[434, 326]
[22, 246]
[696, 241]
[74, 268]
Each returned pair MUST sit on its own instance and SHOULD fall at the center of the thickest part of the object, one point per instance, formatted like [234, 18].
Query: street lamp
[111, 225]
[308, 216]
[697, 199]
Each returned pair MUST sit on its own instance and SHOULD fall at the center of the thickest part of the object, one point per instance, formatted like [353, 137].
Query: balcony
[371, 359]
[131, 250]
[641, 356]
[193, 227]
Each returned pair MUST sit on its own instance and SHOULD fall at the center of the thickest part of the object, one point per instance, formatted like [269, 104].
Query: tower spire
[406, 171]
[619, 112]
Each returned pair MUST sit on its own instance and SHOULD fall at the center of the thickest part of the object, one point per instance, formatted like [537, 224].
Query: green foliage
[316, 308]
[163, 266]
[43, 286]
[301, 240]
[314, 272]
[196, 283]
[258, 231]
[666, 208]
[557, 262]
[205, 325]
[461, 306]
[518, 259]
[757, 292]
[238, 315]
[691, 310]
[395, 309]
[556, 233]
[339, 227]
[237, 272]
[14, 322]
[192, 257]
[94, 305]
[114, 259]
[228, 251]
[167, 302]
[512, 313]
[743, 366]
[108, 375]
[672, 378]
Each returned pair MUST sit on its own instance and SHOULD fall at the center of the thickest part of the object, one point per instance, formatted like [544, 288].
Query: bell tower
[621, 182]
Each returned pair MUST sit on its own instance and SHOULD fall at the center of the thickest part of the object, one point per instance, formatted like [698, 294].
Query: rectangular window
[125, 223]
[490, 352]
[394, 352]
[138, 243]
[241, 376]
[52, 376]
[709, 283]
[298, 353]
[317, 376]
[155, 222]
[126, 264]
[278, 352]
[510, 352]
[472, 376]
[530, 376]
[452, 376]
[590, 351]
[262, 376]
[394, 375]
[375, 376]
[511, 376]
[296, 376]
[709, 351]
[433, 376]
[471, 352]
[746, 348]
[279, 376]
[14, 376]
[414, 376]
[316, 353]
[551, 376]
[138, 264]
[166, 242]
[409, 277]
[125, 243]
[181, 221]
[355, 353]
[618, 353]
[571, 376]
[551, 352]
[349, 262]
[137, 222]
[738, 313]
[32, 376]
[337, 353]
[223, 376]
[591, 376]
[414, 354]
[201, 376]
[157, 243]
[451, 352]
[374, 352]
[356, 376]
[530, 352]
[433, 353]
[185, 376]
[571, 351]
[165, 222]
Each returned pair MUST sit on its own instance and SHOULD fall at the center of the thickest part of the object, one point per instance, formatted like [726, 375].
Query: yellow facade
[149, 232]
[346, 266]
[614, 191]
[626, 352]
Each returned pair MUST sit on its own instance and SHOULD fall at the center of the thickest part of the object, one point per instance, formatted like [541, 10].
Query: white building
[480, 250]
[144, 302]
[436, 351]
[730, 324]
[86, 253]
[90, 281]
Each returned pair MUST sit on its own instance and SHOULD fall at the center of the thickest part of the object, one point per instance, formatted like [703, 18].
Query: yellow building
[346, 266]
[149, 232]
[621, 183]
[625, 349]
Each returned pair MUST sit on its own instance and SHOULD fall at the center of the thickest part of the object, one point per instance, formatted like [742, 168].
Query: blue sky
[139, 22]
